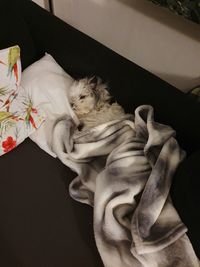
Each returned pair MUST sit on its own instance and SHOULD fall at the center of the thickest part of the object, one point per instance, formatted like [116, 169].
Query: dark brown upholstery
[40, 225]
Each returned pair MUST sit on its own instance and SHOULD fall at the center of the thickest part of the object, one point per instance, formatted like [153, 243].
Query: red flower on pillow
[9, 144]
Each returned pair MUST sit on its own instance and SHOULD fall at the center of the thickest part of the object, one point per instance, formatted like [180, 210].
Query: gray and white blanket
[124, 170]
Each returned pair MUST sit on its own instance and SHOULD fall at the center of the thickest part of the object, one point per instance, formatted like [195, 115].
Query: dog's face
[87, 94]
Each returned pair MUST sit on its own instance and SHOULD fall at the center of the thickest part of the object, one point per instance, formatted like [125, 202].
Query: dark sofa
[40, 225]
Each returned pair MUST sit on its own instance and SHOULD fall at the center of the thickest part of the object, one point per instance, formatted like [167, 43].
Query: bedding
[47, 83]
[19, 117]
[124, 170]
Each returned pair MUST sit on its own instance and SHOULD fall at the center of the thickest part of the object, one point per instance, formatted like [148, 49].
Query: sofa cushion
[14, 31]
[40, 224]
[186, 197]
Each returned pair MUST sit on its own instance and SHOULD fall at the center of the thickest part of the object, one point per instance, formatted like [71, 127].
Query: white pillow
[47, 84]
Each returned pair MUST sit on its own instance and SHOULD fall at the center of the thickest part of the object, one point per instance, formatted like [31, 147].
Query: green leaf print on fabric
[19, 117]
[3, 91]
[7, 121]
[13, 56]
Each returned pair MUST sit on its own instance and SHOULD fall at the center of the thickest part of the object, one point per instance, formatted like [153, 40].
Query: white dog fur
[90, 100]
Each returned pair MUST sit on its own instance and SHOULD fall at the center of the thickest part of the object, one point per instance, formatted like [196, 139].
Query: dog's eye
[82, 96]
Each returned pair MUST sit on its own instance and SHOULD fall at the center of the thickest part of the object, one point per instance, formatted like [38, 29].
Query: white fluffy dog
[90, 100]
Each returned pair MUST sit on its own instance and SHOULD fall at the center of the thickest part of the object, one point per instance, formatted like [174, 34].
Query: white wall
[152, 37]
[42, 3]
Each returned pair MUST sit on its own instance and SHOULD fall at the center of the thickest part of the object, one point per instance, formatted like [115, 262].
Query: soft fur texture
[90, 101]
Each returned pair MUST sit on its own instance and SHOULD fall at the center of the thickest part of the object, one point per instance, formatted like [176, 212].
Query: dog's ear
[93, 80]
[102, 95]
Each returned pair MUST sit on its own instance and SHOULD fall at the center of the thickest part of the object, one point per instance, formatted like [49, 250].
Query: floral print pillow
[18, 116]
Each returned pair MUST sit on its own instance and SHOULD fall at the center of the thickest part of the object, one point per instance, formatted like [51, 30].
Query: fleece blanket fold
[124, 170]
